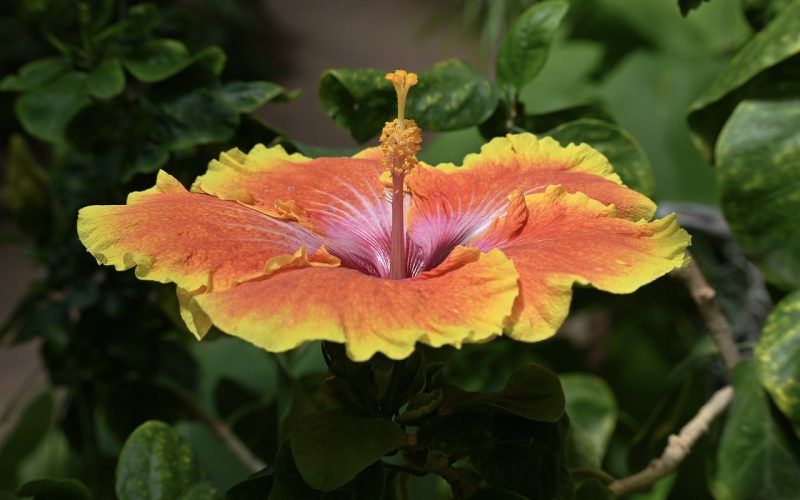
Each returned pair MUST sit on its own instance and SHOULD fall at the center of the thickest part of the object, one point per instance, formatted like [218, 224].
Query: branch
[715, 320]
[679, 445]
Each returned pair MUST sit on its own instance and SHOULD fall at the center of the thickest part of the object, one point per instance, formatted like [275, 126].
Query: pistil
[400, 142]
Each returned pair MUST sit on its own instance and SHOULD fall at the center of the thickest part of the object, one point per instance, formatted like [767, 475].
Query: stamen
[400, 142]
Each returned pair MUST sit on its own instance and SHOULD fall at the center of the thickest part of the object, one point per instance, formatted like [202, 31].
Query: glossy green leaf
[247, 97]
[203, 490]
[759, 155]
[449, 96]
[525, 47]
[625, 154]
[358, 100]
[199, 117]
[592, 411]
[332, 446]
[157, 59]
[532, 392]
[779, 41]
[155, 464]
[38, 72]
[758, 457]
[55, 489]
[421, 406]
[45, 111]
[778, 355]
[107, 80]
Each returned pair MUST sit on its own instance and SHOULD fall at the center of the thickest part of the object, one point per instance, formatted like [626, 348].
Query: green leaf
[496, 494]
[200, 117]
[247, 97]
[107, 80]
[525, 47]
[779, 41]
[55, 489]
[38, 72]
[688, 5]
[155, 464]
[358, 100]
[592, 411]
[421, 406]
[778, 355]
[332, 446]
[26, 182]
[31, 428]
[759, 13]
[758, 457]
[45, 111]
[157, 59]
[616, 144]
[532, 392]
[203, 490]
[449, 96]
[255, 487]
[758, 154]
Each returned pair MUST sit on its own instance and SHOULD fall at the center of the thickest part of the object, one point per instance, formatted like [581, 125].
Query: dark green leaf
[688, 5]
[778, 355]
[140, 21]
[532, 392]
[592, 412]
[421, 406]
[23, 439]
[157, 59]
[246, 97]
[616, 144]
[255, 487]
[758, 457]
[778, 42]
[107, 80]
[287, 483]
[451, 95]
[25, 185]
[38, 72]
[759, 154]
[55, 489]
[200, 117]
[45, 111]
[525, 47]
[358, 100]
[155, 464]
[332, 446]
[593, 489]
[203, 490]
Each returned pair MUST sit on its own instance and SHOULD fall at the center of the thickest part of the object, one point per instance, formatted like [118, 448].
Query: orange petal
[342, 199]
[571, 238]
[479, 188]
[195, 240]
[464, 300]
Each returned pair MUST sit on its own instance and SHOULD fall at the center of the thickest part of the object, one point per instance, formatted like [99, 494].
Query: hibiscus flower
[379, 251]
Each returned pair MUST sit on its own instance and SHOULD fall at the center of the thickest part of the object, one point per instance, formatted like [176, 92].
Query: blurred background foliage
[97, 95]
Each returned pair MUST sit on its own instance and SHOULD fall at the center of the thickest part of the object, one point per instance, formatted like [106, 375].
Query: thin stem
[717, 324]
[397, 264]
[218, 427]
[679, 445]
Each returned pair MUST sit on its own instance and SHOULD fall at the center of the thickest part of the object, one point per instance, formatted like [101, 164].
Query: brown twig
[717, 324]
[679, 446]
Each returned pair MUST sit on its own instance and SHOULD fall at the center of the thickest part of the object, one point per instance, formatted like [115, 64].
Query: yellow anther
[400, 146]
[401, 138]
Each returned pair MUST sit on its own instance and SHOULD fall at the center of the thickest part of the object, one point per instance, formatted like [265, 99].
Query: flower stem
[397, 264]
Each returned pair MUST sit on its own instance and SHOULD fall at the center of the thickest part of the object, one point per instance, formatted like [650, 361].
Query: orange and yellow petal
[195, 240]
[465, 299]
[570, 238]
